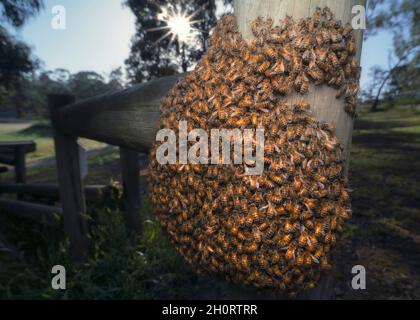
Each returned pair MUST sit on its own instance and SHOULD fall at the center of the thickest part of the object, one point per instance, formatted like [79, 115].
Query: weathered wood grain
[37, 212]
[127, 118]
[92, 192]
[71, 185]
[130, 173]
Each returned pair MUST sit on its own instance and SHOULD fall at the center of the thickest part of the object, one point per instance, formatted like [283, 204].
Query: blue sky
[98, 32]
[97, 35]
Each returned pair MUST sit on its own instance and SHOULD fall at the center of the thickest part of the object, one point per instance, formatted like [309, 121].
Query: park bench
[13, 153]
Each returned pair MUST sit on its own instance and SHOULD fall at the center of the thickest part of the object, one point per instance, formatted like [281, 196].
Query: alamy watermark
[58, 21]
[358, 21]
[243, 142]
[358, 282]
[58, 281]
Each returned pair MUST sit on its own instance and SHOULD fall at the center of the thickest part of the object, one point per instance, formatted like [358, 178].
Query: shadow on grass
[385, 175]
[42, 130]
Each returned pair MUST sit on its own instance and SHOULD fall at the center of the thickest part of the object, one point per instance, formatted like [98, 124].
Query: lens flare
[179, 24]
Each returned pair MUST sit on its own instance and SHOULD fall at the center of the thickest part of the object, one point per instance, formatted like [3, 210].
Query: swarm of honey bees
[275, 229]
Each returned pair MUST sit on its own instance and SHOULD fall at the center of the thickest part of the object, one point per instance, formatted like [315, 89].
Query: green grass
[121, 265]
[40, 133]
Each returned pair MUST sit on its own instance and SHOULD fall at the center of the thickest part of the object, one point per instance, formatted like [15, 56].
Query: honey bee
[310, 285]
[319, 229]
[325, 67]
[318, 254]
[310, 25]
[307, 259]
[317, 16]
[264, 264]
[256, 26]
[313, 240]
[263, 226]
[251, 247]
[288, 227]
[244, 205]
[254, 213]
[324, 263]
[333, 59]
[277, 178]
[302, 83]
[263, 66]
[275, 258]
[286, 86]
[269, 233]
[245, 102]
[315, 73]
[271, 212]
[275, 198]
[276, 69]
[211, 230]
[285, 240]
[303, 42]
[290, 253]
[262, 104]
[241, 236]
[303, 239]
[245, 262]
[351, 46]
[300, 260]
[306, 215]
[258, 198]
[269, 51]
[234, 258]
[234, 230]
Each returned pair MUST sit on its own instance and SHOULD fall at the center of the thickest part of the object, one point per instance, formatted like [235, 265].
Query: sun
[179, 24]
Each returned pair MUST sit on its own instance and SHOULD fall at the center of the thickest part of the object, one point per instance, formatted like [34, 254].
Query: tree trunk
[324, 105]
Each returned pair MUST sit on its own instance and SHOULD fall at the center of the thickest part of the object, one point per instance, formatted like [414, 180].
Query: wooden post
[324, 105]
[70, 183]
[130, 174]
[20, 167]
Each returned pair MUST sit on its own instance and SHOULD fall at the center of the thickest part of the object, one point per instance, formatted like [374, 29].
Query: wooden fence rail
[41, 213]
[127, 118]
[50, 191]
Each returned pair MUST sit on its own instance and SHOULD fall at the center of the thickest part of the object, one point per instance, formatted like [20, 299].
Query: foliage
[31, 97]
[151, 56]
[401, 18]
[121, 265]
[16, 12]
[16, 60]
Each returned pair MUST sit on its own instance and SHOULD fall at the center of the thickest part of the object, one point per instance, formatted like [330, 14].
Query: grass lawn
[382, 234]
[40, 132]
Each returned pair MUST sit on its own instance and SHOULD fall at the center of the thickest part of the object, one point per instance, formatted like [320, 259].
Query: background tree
[401, 18]
[153, 55]
[33, 89]
[16, 60]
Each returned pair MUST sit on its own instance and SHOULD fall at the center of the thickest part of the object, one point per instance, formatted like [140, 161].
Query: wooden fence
[129, 119]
